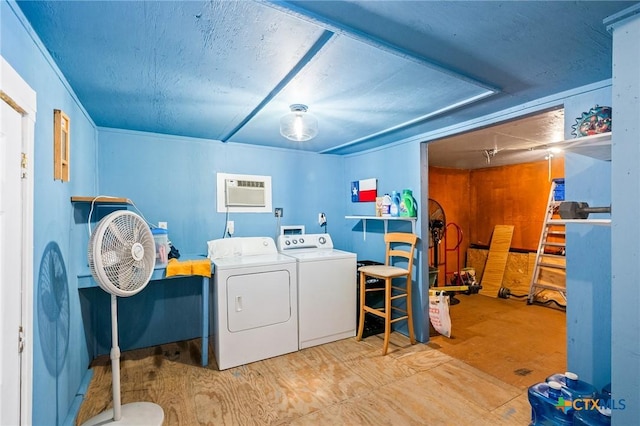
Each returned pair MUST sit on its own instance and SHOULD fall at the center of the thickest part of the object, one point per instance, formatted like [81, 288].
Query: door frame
[23, 98]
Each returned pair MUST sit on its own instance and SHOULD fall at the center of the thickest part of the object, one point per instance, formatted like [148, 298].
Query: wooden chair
[398, 245]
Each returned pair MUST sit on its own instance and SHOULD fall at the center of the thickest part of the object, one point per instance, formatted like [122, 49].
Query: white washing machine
[255, 306]
[326, 288]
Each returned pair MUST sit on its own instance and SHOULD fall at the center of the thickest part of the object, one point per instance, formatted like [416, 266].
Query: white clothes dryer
[255, 306]
[326, 288]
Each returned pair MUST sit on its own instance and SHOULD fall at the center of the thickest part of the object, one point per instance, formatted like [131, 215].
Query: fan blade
[114, 229]
[138, 273]
[110, 258]
[136, 233]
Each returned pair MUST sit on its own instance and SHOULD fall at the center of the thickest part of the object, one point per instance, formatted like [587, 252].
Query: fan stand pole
[115, 360]
[135, 413]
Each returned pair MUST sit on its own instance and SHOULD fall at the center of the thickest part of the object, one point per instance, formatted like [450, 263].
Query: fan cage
[122, 253]
[436, 214]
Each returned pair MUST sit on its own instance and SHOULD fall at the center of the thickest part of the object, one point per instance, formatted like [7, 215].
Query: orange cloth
[201, 267]
[175, 267]
[188, 267]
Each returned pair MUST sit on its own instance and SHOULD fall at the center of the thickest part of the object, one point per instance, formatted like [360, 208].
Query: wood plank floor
[470, 379]
[517, 343]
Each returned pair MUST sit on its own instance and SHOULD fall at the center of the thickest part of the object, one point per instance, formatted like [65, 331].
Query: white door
[258, 300]
[17, 125]
[10, 270]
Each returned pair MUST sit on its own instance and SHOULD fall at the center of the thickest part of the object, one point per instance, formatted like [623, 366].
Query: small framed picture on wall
[61, 145]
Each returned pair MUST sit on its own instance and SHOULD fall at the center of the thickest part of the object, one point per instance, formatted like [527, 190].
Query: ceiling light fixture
[299, 125]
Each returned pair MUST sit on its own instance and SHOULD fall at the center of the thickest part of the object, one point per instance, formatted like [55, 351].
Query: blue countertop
[85, 279]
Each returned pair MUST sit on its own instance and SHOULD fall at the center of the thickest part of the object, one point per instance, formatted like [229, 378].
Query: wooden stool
[399, 245]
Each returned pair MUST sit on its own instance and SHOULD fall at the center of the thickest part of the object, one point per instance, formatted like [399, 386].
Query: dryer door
[258, 300]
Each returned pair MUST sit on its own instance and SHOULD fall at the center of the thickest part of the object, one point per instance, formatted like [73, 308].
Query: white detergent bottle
[386, 205]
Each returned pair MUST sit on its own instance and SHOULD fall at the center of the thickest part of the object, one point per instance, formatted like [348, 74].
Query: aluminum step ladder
[550, 268]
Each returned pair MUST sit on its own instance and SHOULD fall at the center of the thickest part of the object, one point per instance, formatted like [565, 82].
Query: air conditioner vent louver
[250, 184]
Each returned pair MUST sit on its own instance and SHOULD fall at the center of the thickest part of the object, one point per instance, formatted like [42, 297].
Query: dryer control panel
[304, 241]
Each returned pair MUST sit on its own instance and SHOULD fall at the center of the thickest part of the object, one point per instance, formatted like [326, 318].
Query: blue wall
[625, 232]
[396, 168]
[173, 179]
[60, 357]
[589, 273]
[588, 256]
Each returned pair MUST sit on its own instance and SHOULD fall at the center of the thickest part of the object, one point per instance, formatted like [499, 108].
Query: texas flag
[364, 190]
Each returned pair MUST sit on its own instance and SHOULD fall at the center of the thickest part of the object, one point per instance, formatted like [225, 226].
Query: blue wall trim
[72, 415]
[317, 46]
[374, 41]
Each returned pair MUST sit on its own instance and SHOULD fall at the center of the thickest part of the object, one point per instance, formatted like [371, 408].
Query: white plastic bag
[439, 313]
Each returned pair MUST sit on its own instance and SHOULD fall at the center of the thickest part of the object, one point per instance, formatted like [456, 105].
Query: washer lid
[305, 255]
[240, 246]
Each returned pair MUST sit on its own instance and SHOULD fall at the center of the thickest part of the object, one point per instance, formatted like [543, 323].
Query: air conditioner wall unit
[245, 193]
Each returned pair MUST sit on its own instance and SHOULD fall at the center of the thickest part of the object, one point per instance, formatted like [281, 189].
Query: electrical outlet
[162, 225]
[279, 212]
[322, 219]
[230, 227]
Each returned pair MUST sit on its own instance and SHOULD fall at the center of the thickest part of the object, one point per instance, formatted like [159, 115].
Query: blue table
[85, 280]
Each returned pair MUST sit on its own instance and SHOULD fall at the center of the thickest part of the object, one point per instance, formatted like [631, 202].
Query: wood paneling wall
[512, 195]
[451, 189]
[478, 200]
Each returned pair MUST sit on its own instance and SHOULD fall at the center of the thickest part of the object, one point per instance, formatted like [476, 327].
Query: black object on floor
[452, 298]
[372, 324]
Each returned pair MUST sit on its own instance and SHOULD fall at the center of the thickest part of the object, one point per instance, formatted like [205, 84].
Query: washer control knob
[322, 240]
[295, 241]
[301, 240]
[287, 242]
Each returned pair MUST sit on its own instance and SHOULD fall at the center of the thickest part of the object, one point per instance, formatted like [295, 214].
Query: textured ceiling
[372, 72]
[523, 140]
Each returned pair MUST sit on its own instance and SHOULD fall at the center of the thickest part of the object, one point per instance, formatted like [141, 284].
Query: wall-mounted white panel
[221, 181]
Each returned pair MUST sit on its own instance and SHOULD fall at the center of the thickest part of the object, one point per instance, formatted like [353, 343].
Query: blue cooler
[592, 418]
[544, 398]
[596, 417]
[577, 388]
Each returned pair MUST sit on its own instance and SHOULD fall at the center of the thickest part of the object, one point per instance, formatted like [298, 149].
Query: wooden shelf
[101, 199]
[386, 220]
[595, 146]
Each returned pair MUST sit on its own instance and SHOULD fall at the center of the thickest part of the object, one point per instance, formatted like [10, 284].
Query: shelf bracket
[385, 221]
